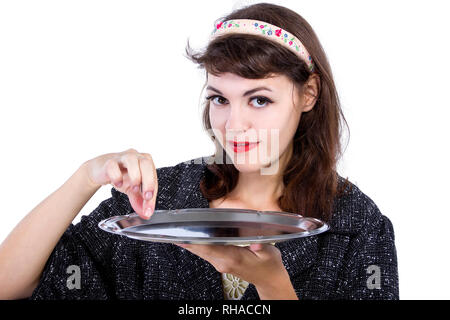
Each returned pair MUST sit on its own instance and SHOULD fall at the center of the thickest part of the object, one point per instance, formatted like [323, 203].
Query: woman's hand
[259, 264]
[130, 172]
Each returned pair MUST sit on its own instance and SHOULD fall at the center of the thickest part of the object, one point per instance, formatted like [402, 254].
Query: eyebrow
[245, 94]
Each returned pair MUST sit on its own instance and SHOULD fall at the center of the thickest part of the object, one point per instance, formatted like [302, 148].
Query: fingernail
[135, 188]
[148, 212]
[148, 195]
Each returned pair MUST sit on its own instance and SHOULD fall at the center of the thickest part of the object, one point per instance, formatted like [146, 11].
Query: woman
[292, 170]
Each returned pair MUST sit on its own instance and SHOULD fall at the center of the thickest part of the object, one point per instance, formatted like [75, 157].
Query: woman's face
[267, 116]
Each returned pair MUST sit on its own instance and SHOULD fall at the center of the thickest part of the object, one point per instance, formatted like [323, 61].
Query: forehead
[276, 81]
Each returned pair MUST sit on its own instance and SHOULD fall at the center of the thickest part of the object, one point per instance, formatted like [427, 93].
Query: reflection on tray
[213, 229]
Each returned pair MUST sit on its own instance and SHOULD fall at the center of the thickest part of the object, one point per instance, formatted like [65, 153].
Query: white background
[83, 78]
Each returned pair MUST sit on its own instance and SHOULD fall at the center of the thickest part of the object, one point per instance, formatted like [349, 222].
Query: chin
[262, 169]
[247, 168]
[245, 164]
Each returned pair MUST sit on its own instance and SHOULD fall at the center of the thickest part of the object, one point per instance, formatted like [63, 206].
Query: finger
[131, 163]
[255, 247]
[113, 172]
[211, 252]
[200, 252]
[149, 184]
[263, 250]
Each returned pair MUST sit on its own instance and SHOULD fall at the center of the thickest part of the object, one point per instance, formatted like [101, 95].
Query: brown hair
[310, 178]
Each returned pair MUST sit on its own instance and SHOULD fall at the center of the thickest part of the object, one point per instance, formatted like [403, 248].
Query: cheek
[216, 116]
[218, 120]
[280, 132]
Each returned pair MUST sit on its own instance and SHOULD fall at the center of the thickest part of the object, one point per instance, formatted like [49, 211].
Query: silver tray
[215, 226]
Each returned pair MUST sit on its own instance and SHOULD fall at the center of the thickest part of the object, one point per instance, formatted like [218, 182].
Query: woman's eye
[217, 97]
[260, 102]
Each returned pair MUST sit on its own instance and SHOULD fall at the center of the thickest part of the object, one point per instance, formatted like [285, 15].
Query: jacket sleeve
[372, 271]
[78, 266]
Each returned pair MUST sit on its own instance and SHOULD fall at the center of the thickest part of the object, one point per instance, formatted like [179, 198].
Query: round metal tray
[215, 226]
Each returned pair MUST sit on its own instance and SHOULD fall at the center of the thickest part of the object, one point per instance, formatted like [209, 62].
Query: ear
[311, 91]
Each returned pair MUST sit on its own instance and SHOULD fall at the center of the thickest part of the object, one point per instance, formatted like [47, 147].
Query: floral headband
[266, 30]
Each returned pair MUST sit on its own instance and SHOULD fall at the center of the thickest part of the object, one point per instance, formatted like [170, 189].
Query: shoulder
[354, 211]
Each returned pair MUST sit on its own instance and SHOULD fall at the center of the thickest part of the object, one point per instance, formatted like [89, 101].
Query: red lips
[246, 146]
[246, 142]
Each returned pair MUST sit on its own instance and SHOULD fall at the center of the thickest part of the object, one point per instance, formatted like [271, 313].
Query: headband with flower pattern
[268, 31]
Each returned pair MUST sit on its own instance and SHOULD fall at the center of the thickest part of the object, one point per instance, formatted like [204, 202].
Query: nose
[237, 120]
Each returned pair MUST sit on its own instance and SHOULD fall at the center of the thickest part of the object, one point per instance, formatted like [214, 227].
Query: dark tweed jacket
[332, 265]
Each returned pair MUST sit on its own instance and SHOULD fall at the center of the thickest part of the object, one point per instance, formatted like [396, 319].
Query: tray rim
[105, 225]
